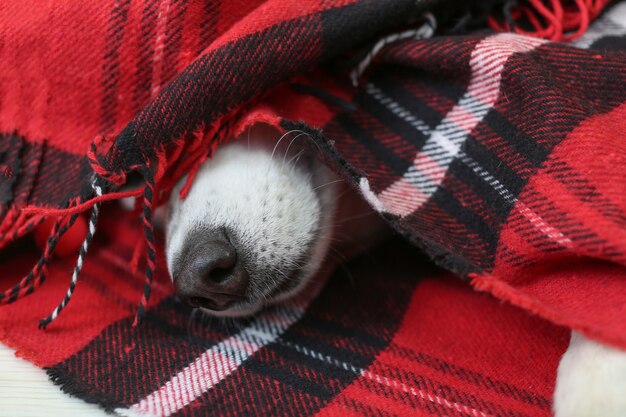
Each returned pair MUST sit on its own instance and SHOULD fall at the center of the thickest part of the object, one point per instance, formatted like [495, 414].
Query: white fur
[591, 380]
[270, 206]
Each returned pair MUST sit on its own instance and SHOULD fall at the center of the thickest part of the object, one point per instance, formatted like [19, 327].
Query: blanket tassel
[93, 221]
[148, 199]
[37, 275]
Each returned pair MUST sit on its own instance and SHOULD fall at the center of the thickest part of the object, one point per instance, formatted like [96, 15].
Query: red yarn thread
[560, 20]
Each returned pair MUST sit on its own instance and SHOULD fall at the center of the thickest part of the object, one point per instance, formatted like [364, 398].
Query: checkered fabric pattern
[500, 155]
[388, 335]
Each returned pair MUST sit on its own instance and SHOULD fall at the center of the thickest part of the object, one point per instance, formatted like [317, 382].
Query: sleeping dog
[258, 222]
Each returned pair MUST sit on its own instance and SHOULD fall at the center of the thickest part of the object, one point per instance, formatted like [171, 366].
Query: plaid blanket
[499, 154]
[389, 334]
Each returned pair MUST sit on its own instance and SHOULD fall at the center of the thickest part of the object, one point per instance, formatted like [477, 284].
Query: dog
[257, 224]
[260, 219]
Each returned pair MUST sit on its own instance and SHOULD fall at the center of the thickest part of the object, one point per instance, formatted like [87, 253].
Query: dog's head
[253, 229]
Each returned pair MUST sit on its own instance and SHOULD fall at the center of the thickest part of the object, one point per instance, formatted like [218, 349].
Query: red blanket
[500, 155]
[389, 335]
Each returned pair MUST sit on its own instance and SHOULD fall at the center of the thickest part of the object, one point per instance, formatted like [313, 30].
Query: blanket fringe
[93, 220]
[555, 20]
[37, 275]
[201, 149]
[148, 197]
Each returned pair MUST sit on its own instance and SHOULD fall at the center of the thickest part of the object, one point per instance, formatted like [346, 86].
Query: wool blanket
[388, 335]
[500, 155]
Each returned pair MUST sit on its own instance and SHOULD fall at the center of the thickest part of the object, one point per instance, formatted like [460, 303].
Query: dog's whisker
[341, 263]
[362, 215]
[298, 155]
[278, 142]
[327, 184]
[291, 143]
[281, 139]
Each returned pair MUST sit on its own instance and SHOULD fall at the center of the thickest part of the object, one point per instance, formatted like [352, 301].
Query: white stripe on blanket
[444, 142]
[219, 362]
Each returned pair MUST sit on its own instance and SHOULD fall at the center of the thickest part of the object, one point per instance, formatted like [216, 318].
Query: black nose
[209, 273]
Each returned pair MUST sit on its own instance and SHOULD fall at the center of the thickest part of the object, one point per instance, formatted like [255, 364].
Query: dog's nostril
[197, 301]
[202, 302]
[219, 275]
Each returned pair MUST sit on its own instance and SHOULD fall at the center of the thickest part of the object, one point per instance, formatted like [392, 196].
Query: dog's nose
[211, 276]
